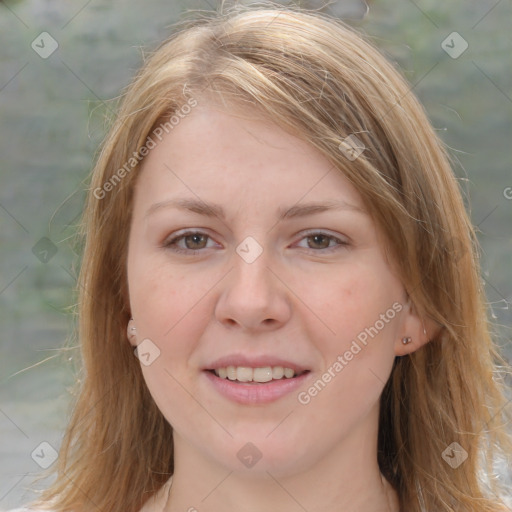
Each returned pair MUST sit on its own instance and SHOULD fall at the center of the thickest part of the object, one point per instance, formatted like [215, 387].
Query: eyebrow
[216, 211]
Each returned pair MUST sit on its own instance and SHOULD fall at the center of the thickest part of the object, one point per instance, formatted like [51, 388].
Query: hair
[323, 81]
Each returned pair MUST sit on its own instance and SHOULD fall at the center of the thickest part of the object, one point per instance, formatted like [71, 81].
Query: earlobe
[131, 332]
[414, 331]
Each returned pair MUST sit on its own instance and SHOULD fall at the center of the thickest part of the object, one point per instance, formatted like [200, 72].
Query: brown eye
[320, 241]
[323, 242]
[193, 241]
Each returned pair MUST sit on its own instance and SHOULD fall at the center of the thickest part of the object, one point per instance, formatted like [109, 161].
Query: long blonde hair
[321, 80]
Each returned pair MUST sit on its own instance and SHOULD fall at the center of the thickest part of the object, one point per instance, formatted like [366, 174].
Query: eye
[321, 241]
[194, 242]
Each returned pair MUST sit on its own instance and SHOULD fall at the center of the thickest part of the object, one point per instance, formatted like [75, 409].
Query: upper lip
[254, 362]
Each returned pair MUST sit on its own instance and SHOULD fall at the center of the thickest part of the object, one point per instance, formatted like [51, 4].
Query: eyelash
[171, 244]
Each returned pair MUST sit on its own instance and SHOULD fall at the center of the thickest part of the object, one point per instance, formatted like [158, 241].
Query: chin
[262, 455]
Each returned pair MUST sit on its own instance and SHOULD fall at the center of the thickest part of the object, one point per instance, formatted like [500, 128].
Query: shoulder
[157, 502]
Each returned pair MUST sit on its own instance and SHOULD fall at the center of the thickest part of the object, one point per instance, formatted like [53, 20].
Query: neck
[229, 494]
[347, 479]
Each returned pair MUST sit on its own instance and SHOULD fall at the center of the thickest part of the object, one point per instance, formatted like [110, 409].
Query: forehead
[238, 159]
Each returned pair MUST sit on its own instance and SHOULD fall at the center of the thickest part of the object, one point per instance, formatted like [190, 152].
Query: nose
[254, 296]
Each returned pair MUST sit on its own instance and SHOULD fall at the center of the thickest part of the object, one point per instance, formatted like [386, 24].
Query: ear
[419, 330]
[131, 333]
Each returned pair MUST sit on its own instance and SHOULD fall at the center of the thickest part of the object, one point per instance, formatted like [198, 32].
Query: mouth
[258, 375]
[255, 385]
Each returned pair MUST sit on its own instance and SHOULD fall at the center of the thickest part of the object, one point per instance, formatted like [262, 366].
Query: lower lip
[257, 393]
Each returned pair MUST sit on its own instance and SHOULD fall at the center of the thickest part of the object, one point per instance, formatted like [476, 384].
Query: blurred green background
[53, 111]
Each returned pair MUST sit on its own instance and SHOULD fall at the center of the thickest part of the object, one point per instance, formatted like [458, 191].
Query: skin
[299, 300]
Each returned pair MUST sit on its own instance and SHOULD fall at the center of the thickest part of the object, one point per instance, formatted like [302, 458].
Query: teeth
[262, 374]
[246, 374]
[231, 372]
[277, 372]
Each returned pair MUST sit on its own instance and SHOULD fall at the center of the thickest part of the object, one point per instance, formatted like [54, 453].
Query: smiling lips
[259, 369]
[255, 380]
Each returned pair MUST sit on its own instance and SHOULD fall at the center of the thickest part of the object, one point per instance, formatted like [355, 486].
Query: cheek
[170, 310]
[358, 358]
[171, 390]
[350, 301]
[166, 301]
[357, 348]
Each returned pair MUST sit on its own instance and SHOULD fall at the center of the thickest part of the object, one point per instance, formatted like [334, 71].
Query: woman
[280, 302]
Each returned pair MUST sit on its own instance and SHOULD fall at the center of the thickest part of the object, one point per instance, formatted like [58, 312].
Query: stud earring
[406, 340]
[131, 331]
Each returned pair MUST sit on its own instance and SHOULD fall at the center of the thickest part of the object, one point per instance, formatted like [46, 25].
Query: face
[235, 279]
